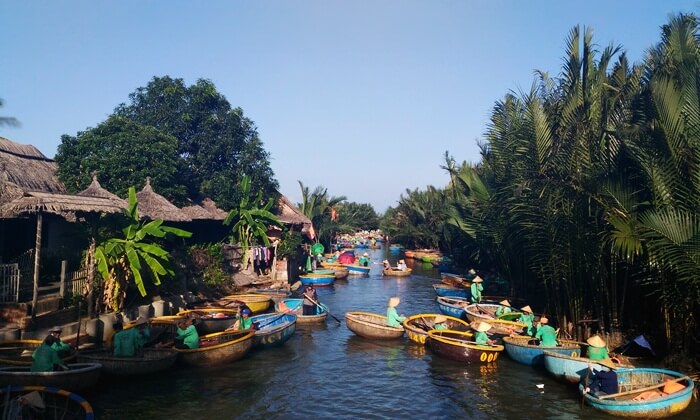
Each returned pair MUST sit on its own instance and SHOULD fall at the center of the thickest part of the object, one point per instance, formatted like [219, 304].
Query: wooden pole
[640, 390]
[62, 291]
[37, 256]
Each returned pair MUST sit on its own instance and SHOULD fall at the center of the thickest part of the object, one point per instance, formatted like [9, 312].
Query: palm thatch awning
[204, 210]
[290, 215]
[155, 206]
[25, 168]
[61, 204]
[96, 190]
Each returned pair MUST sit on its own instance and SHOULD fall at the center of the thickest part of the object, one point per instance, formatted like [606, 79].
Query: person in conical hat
[402, 265]
[603, 382]
[481, 337]
[439, 322]
[504, 308]
[364, 260]
[476, 289]
[527, 318]
[546, 333]
[596, 348]
[393, 319]
[386, 265]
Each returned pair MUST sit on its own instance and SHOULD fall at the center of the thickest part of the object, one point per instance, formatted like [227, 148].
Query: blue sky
[362, 97]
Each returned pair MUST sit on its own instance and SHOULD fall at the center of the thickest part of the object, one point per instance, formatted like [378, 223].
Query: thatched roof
[62, 204]
[95, 190]
[155, 206]
[204, 210]
[290, 215]
[25, 168]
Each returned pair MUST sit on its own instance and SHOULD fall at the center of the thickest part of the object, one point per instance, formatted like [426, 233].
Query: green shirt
[440, 326]
[481, 338]
[127, 342]
[476, 289]
[44, 359]
[392, 317]
[548, 335]
[502, 310]
[189, 336]
[597, 353]
[60, 346]
[364, 261]
[245, 323]
[527, 319]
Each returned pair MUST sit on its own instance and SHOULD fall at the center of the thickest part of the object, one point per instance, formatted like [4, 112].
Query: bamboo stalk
[639, 390]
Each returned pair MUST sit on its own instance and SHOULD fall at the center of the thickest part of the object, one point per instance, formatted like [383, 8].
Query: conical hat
[477, 279]
[439, 319]
[595, 341]
[34, 399]
[394, 301]
[526, 309]
[471, 271]
[607, 363]
[483, 326]
[504, 302]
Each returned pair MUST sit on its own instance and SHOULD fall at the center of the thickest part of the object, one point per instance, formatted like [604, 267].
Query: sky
[362, 97]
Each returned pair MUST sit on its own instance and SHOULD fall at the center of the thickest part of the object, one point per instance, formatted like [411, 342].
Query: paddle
[639, 390]
[322, 307]
[270, 321]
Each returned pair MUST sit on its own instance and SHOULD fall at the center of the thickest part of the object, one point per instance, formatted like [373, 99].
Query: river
[326, 371]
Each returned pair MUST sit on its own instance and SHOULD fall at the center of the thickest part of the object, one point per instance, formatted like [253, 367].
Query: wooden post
[37, 256]
[62, 291]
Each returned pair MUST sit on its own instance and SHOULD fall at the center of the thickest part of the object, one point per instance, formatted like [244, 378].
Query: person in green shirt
[59, 345]
[527, 318]
[546, 334]
[439, 322]
[187, 337]
[504, 308]
[45, 357]
[596, 348]
[244, 322]
[481, 338]
[392, 316]
[128, 342]
[476, 289]
[364, 260]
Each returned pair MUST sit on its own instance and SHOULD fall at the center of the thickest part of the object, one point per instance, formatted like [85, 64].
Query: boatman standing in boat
[58, 345]
[546, 334]
[476, 289]
[308, 306]
[45, 357]
[393, 319]
[527, 318]
[364, 260]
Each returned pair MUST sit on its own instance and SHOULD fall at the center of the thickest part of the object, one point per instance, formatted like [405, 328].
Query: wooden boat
[274, 329]
[455, 280]
[59, 404]
[148, 360]
[571, 369]
[275, 294]
[417, 326]
[459, 346]
[487, 312]
[79, 376]
[318, 280]
[452, 306]
[356, 269]
[340, 272]
[445, 290]
[532, 354]
[19, 352]
[257, 302]
[370, 325]
[397, 273]
[326, 271]
[296, 307]
[219, 348]
[651, 382]
[331, 265]
[211, 320]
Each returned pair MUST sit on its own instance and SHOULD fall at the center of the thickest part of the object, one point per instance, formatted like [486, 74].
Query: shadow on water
[325, 371]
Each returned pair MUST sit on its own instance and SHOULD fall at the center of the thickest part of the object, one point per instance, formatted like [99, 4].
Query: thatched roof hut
[155, 206]
[64, 205]
[25, 168]
[96, 190]
[204, 210]
[290, 215]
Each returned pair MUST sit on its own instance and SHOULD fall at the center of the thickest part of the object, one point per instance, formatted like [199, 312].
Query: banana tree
[119, 260]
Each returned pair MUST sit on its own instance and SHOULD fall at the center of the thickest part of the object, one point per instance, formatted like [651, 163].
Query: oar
[271, 320]
[640, 390]
[319, 305]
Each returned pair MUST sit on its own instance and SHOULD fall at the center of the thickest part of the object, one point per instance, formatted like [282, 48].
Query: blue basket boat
[273, 329]
[357, 269]
[519, 349]
[570, 369]
[657, 385]
[295, 305]
[452, 306]
[317, 279]
[445, 290]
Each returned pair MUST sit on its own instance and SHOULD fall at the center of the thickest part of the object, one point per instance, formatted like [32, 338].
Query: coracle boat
[397, 273]
[275, 294]
[445, 290]
[43, 402]
[356, 269]
[296, 306]
[459, 346]
[340, 272]
[219, 348]
[323, 271]
[19, 352]
[452, 306]
[257, 302]
[532, 354]
[487, 312]
[370, 325]
[571, 369]
[146, 361]
[417, 326]
[274, 329]
[645, 393]
[319, 280]
[79, 376]
[211, 320]
[454, 280]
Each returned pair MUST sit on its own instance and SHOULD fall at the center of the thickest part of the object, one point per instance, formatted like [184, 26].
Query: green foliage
[134, 255]
[317, 205]
[209, 259]
[290, 243]
[356, 216]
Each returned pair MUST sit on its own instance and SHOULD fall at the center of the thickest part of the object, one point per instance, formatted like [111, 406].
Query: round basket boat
[257, 302]
[370, 325]
[295, 306]
[275, 294]
[146, 361]
[318, 280]
[458, 345]
[57, 403]
[520, 350]
[487, 312]
[211, 320]
[219, 348]
[19, 352]
[397, 273]
[417, 326]
[79, 376]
